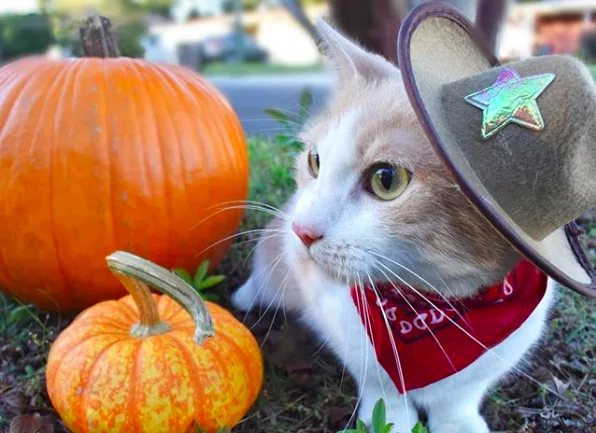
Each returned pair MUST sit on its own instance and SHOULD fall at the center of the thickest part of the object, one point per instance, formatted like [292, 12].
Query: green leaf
[209, 282]
[184, 275]
[17, 315]
[306, 101]
[201, 274]
[352, 431]
[360, 425]
[210, 297]
[379, 417]
[388, 428]
[279, 115]
[419, 428]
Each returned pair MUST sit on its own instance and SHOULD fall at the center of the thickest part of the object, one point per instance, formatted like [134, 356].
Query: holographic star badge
[512, 99]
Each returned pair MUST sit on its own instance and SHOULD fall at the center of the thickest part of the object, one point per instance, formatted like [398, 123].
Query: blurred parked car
[223, 49]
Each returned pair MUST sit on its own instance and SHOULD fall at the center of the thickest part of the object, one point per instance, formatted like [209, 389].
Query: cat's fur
[431, 229]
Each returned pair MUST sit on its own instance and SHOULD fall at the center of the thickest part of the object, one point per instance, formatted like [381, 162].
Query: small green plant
[379, 422]
[292, 122]
[198, 429]
[202, 282]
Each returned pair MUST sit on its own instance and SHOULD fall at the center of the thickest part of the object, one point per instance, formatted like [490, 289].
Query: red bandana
[490, 317]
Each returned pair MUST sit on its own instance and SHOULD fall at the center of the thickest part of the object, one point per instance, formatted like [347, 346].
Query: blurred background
[262, 53]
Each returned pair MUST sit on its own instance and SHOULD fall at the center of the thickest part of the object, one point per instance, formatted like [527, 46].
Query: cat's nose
[307, 235]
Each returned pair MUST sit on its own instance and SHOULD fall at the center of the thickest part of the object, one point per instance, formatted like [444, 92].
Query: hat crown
[542, 175]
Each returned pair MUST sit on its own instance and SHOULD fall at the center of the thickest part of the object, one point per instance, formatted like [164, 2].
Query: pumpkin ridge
[64, 73]
[108, 321]
[179, 315]
[159, 72]
[138, 79]
[17, 92]
[73, 345]
[159, 140]
[224, 316]
[132, 401]
[85, 383]
[103, 145]
[241, 356]
[192, 370]
[220, 100]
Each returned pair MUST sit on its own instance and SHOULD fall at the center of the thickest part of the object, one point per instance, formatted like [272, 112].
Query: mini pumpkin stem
[97, 38]
[137, 274]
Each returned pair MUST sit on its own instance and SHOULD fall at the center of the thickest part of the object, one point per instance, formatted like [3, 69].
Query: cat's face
[372, 188]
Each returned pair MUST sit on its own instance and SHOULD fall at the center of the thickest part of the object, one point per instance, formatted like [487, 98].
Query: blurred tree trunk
[490, 18]
[296, 9]
[373, 23]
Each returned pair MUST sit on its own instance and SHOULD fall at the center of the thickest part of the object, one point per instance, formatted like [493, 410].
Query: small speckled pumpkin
[140, 364]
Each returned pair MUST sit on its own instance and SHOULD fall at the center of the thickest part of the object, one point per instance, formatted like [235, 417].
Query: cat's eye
[387, 181]
[314, 162]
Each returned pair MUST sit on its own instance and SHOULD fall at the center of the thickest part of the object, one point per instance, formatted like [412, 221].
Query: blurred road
[251, 95]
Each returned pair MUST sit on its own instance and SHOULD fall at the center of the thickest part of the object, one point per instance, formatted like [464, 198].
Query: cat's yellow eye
[387, 181]
[314, 162]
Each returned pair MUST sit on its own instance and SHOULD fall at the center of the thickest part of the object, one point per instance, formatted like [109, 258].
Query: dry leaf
[31, 424]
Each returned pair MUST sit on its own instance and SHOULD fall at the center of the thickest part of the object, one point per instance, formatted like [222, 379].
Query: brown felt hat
[520, 139]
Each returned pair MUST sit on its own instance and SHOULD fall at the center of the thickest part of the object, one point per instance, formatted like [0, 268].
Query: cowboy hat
[519, 139]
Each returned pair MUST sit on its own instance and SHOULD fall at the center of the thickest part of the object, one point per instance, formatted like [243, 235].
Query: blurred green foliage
[21, 35]
[111, 8]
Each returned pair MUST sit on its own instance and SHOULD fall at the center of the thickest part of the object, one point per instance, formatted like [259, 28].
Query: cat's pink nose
[307, 235]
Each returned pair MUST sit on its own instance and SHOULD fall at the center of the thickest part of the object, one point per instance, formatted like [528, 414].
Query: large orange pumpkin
[138, 365]
[100, 154]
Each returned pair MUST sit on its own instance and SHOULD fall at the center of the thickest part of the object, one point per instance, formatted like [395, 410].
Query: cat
[374, 203]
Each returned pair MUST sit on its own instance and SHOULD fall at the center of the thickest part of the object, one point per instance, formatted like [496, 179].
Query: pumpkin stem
[137, 274]
[98, 39]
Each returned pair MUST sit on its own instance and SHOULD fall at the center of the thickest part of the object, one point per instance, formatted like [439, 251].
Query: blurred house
[273, 29]
[548, 27]
[19, 7]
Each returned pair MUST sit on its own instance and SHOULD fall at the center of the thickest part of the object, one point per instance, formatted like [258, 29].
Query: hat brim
[438, 46]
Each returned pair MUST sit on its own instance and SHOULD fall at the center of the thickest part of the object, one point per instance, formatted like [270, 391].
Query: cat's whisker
[416, 312]
[283, 287]
[275, 212]
[259, 242]
[362, 379]
[262, 314]
[394, 348]
[405, 268]
[475, 340]
[321, 346]
[246, 232]
[368, 327]
[269, 269]
[248, 202]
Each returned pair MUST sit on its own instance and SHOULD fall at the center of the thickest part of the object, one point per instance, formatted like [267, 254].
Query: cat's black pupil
[316, 157]
[387, 176]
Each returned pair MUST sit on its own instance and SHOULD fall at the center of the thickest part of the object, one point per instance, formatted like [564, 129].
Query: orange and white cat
[374, 205]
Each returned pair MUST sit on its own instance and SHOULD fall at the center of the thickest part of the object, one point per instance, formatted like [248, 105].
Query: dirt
[306, 390]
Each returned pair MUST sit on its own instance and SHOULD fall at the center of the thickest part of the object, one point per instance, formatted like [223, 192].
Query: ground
[305, 390]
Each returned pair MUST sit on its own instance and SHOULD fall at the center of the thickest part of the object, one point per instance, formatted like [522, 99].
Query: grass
[305, 390]
[232, 69]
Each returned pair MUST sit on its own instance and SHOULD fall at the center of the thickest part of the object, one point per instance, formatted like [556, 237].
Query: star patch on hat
[511, 99]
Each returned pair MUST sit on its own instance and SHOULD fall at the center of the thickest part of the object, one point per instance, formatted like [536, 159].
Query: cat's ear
[350, 58]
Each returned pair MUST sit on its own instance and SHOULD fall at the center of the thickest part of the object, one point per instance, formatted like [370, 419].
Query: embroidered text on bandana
[490, 318]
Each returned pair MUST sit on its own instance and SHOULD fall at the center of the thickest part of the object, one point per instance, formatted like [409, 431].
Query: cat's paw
[472, 424]
[243, 299]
